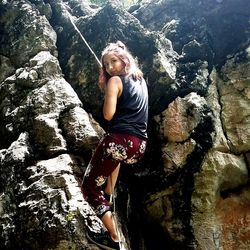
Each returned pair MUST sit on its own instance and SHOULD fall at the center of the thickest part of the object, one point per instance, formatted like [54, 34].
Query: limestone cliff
[192, 189]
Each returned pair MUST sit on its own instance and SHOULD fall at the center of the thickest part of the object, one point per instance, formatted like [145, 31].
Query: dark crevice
[234, 191]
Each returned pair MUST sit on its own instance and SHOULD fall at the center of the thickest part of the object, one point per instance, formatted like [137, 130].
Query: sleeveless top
[131, 116]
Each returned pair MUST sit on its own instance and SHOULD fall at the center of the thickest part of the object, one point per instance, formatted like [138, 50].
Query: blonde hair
[120, 50]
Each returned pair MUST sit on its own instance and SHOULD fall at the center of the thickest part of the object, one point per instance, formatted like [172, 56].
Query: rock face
[191, 191]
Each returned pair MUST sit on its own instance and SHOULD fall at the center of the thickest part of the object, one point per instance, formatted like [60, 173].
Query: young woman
[126, 109]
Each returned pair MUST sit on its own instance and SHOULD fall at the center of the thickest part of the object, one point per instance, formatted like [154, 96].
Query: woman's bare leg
[108, 219]
[111, 181]
[109, 222]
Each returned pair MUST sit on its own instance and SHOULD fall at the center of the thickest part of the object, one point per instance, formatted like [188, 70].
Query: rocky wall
[191, 191]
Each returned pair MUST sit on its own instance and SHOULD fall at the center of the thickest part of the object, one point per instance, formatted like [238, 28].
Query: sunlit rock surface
[234, 91]
[191, 191]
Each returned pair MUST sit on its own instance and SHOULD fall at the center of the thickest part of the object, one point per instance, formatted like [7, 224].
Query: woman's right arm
[112, 92]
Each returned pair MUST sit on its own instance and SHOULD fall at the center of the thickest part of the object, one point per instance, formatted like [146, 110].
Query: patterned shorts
[112, 150]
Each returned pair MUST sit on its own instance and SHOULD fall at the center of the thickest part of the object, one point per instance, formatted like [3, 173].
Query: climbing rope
[84, 40]
[114, 214]
[112, 196]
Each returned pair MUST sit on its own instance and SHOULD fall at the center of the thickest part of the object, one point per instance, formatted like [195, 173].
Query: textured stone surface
[80, 130]
[220, 140]
[200, 24]
[175, 154]
[22, 23]
[234, 218]
[181, 117]
[195, 171]
[235, 100]
[220, 172]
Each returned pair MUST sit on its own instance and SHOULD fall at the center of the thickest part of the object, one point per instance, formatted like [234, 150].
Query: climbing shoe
[103, 240]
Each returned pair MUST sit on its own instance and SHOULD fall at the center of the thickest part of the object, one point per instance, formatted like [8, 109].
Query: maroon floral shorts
[113, 149]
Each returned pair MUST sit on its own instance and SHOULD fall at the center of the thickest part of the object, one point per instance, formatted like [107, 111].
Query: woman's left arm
[112, 92]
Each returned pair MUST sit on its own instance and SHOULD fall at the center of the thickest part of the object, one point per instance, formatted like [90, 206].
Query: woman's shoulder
[130, 79]
[114, 79]
[115, 82]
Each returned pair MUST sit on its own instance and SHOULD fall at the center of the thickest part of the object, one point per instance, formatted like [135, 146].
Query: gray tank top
[131, 116]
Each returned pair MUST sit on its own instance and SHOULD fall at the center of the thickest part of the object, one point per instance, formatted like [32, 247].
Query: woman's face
[113, 65]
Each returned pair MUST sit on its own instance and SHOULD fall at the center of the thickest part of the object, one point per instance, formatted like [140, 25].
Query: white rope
[112, 195]
[114, 213]
[84, 40]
